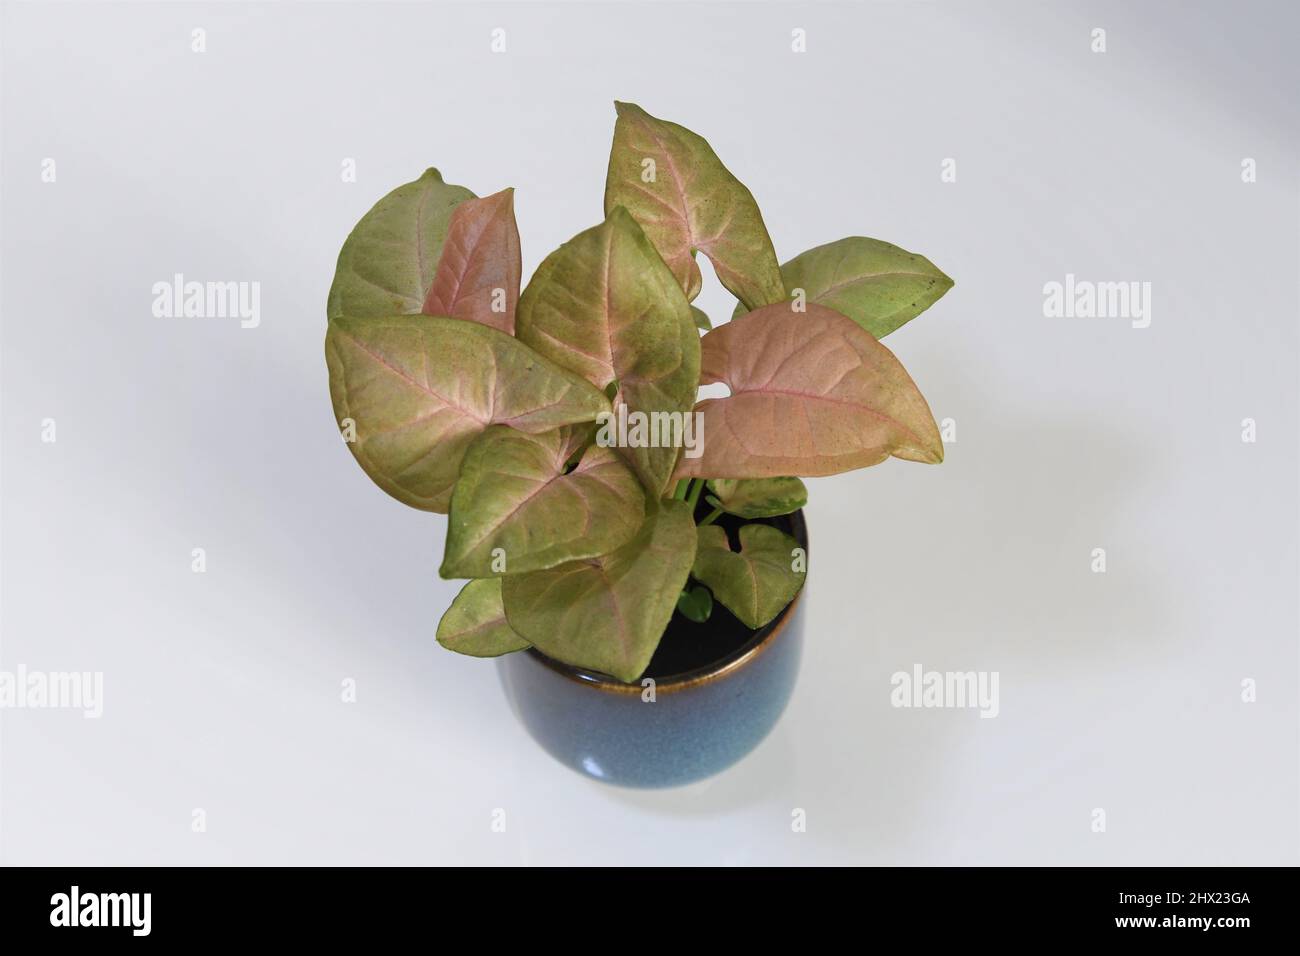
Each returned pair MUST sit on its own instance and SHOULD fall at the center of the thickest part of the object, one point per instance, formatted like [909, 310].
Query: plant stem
[713, 516]
[693, 497]
[679, 492]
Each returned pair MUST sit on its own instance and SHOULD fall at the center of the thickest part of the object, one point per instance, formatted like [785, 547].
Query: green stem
[713, 516]
[693, 497]
[683, 485]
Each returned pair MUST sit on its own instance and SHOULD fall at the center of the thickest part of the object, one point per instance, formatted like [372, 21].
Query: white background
[1119, 691]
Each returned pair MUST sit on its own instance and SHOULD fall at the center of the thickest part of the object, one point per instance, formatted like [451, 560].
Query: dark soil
[687, 646]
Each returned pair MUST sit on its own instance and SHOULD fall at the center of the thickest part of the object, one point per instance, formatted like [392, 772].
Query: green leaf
[609, 613]
[757, 497]
[605, 306]
[418, 389]
[811, 394]
[695, 604]
[476, 625]
[756, 584]
[701, 319]
[877, 285]
[478, 273]
[514, 495]
[388, 262]
[675, 186]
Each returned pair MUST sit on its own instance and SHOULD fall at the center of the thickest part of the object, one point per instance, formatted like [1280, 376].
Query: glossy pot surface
[693, 725]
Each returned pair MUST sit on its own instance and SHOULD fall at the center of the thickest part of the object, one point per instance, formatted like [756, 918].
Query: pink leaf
[811, 394]
[478, 274]
[672, 182]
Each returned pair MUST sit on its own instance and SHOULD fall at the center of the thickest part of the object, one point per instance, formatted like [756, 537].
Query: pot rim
[758, 642]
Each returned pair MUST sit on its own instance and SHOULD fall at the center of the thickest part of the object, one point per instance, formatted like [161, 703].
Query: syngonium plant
[459, 394]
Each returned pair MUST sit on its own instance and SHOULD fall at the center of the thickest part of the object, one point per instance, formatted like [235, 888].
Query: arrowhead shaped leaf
[605, 306]
[690, 202]
[811, 394]
[758, 497]
[513, 494]
[476, 625]
[420, 388]
[756, 584]
[695, 604]
[877, 285]
[608, 614]
[478, 272]
[388, 262]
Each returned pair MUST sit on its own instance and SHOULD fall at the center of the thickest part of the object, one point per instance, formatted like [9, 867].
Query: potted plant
[635, 556]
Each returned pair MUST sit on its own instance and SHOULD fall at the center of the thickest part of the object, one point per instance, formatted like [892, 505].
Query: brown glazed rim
[761, 640]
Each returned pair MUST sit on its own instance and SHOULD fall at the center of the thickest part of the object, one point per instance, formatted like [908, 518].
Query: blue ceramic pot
[699, 723]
